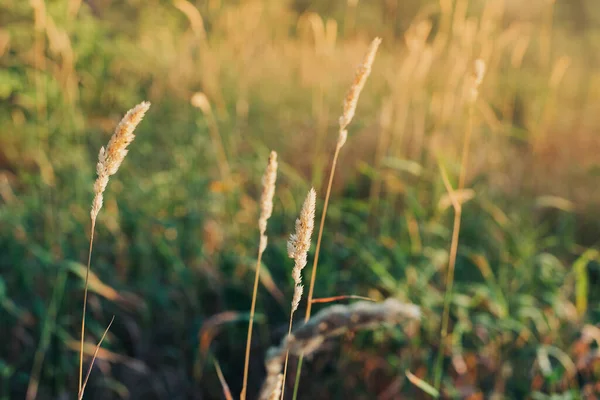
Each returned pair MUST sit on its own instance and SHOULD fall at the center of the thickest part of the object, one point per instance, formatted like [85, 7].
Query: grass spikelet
[266, 209]
[479, 72]
[299, 242]
[266, 198]
[109, 161]
[298, 246]
[360, 78]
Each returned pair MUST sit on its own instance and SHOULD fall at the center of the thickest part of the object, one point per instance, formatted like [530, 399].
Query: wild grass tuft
[109, 161]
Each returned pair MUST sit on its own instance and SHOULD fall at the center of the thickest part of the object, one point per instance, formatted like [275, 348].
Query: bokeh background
[176, 241]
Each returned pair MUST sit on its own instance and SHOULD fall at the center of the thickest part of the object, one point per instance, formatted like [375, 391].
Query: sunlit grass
[176, 244]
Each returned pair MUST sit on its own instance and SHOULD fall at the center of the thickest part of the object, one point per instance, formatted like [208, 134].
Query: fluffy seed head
[299, 242]
[266, 199]
[362, 73]
[276, 394]
[110, 159]
[298, 290]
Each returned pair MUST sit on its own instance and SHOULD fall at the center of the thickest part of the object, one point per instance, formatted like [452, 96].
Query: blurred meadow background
[229, 81]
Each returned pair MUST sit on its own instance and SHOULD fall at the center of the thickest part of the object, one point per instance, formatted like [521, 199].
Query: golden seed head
[299, 242]
[199, 100]
[362, 73]
[298, 290]
[276, 394]
[343, 135]
[266, 198]
[111, 157]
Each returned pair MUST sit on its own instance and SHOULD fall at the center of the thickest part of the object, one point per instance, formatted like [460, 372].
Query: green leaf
[581, 279]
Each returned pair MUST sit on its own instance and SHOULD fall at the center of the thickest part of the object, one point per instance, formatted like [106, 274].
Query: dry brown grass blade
[211, 328]
[341, 297]
[95, 285]
[476, 80]
[103, 354]
[89, 372]
[224, 386]
[331, 322]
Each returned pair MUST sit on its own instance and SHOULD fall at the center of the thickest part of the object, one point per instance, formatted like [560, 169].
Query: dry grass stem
[109, 161]
[349, 109]
[266, 209]
[89, 372]
[331, 322]
[224, 385]
[478, 75]
[200, 101]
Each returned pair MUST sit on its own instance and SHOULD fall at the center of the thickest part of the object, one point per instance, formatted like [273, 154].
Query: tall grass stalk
[350, 102]
[473, 94]
[266, 209]
[109, 161]
[298, 246]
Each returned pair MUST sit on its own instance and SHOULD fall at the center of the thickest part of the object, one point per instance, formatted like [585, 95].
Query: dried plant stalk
[350, 102]
[109, 161]
[331, 322]
[200, 100]
[297, 247]
[266, 209]
[479, 72]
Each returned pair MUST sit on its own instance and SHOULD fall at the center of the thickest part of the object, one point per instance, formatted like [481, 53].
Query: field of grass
[175, 244]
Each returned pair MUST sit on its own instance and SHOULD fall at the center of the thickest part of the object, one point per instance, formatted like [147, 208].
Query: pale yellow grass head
[299, 243]
[266, 198]
[111, 157]
[362, 73]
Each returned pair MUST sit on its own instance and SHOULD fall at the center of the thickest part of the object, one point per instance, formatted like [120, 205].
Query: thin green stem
[297, 382]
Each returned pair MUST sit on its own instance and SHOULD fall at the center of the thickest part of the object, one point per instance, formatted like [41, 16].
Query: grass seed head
[266, 199]
[362, 73]
[111, 157]
[299, 242]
